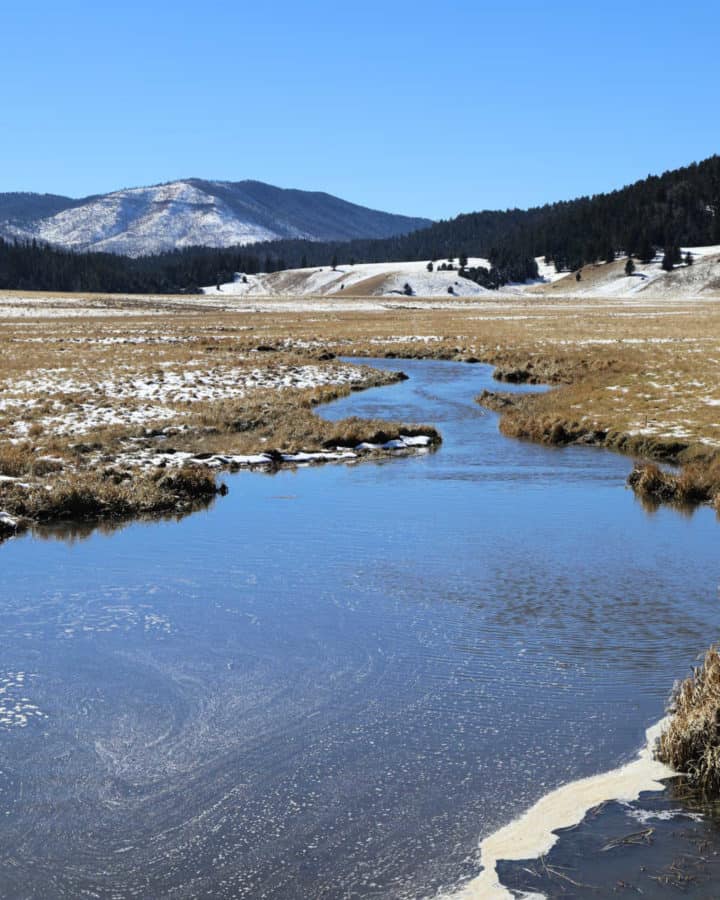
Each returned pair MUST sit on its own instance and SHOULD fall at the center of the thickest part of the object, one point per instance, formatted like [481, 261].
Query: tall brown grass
[691, 743]
[80, 496]
[697, 482]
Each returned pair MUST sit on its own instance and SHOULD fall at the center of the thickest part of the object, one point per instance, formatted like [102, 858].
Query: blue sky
[420, 108]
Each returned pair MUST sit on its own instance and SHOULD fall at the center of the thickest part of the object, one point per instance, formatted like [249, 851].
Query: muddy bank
[93, 497]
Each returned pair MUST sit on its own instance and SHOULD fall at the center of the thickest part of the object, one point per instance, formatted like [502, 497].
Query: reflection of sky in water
[335, 680]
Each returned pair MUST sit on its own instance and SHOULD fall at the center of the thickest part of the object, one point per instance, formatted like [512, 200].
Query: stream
[336, 680]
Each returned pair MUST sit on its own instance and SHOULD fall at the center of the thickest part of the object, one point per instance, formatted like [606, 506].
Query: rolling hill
[142, 221]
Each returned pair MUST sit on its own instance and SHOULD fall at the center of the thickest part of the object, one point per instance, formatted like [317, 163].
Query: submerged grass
[691, 743]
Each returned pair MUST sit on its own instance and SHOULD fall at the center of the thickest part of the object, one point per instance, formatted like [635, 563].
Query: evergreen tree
[429, 266]
[689, 259]
[646, 252]
[629, 266]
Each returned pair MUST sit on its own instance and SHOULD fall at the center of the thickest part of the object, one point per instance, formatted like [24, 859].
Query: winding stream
[336, 680]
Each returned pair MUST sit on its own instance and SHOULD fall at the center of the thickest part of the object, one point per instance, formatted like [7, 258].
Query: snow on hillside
[140, 221]
[362, 279]
[547, 272]
[389, 279]
[650, 279]
[160, 218]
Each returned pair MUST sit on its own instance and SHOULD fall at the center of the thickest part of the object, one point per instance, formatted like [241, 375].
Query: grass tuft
[89, 496]
[691, 743]
[697, 482]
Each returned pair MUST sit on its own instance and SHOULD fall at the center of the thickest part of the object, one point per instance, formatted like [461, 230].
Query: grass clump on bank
[95, 496]
[117, 472]
[697, 482]
[691, 743]
[532, 417]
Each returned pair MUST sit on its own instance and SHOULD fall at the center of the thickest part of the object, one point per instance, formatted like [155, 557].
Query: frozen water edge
[533, 834]
[159, 459]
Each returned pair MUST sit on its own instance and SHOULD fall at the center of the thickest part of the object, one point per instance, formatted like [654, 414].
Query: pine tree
[629, 266]
[430, 267]
[667, 260]
[646, 253]
[689, 259]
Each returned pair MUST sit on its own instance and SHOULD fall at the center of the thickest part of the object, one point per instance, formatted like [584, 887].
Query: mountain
[680, 208]
[143, 221]
[22, 207]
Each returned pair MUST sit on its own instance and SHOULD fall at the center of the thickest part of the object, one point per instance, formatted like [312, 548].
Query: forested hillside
[662, 212]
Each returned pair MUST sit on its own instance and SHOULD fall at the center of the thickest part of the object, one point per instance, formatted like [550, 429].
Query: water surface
[336, 680]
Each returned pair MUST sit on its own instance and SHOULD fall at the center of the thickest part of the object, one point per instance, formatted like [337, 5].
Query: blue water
[336, 680]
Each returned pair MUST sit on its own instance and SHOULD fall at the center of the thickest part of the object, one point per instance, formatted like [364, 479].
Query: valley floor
[102, 398]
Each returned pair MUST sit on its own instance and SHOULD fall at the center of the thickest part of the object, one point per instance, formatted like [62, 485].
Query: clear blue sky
[426, 109]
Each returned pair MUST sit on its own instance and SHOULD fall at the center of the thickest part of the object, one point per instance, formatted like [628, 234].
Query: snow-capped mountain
[140, 221]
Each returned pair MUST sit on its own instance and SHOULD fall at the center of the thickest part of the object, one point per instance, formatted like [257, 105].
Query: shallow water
[336, 680]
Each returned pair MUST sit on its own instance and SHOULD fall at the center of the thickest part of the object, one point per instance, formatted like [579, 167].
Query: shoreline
[160, 481]
[533, 833]
[556, 810]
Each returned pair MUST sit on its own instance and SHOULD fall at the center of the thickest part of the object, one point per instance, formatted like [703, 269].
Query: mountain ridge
[192, 212]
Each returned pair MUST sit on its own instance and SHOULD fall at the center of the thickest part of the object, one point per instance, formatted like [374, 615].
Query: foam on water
[533, 834]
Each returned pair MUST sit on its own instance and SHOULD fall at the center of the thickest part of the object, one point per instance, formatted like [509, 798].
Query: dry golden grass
[691, 743]
[86, 378]
[697, 482]
[110, 496]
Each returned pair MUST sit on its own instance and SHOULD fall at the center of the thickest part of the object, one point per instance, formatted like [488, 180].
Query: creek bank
[104, 496]
[519, 419]
[144, 476]
[167, 481]
[691, 743]
[698, 482]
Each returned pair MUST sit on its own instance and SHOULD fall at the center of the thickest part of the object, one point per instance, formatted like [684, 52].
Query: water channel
[336, 680]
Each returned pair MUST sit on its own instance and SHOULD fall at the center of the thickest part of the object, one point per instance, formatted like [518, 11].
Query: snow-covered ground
[650, 279]
[151, 398]
[361, 279]
[389, 279]
[153, 458]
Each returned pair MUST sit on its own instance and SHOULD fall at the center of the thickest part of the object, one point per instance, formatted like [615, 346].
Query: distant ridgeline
[681, 207]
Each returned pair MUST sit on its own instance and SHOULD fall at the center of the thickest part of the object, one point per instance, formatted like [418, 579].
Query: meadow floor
[116, 406]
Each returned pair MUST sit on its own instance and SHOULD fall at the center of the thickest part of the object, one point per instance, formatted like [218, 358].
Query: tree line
[661, 212]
